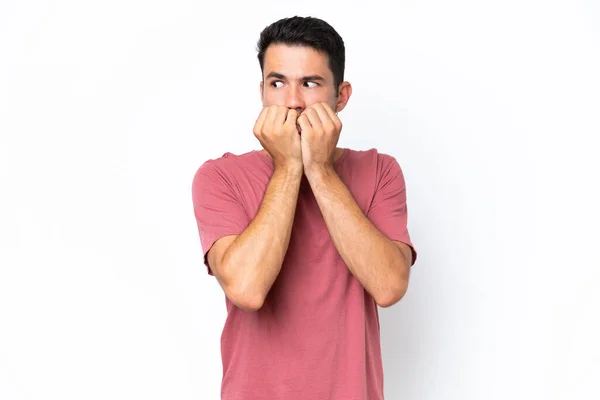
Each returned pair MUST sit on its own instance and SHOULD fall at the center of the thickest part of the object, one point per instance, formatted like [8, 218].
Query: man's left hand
[321, 129]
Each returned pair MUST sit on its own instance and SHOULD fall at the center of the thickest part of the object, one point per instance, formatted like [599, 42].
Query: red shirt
[317, 335]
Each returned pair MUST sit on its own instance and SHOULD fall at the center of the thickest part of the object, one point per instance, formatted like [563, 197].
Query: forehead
[295, 61]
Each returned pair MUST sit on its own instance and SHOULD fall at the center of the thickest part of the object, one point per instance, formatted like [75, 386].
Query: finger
[304, 123]
[260, 121]
[332, 114]
[280, 115]
[291, 117]
[322, 113]
[272, 114]
[314, 120]
[334, 117]
[331, 120]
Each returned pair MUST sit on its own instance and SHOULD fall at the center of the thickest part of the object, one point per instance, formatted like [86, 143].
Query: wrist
[291, 168]
[318, 172]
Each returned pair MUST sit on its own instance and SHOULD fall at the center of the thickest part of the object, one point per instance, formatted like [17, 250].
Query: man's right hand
[276, 131]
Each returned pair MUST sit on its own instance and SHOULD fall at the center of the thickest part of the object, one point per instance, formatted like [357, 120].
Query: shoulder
[370, 158]
[229, 162]
[374, 167]
[224, 168]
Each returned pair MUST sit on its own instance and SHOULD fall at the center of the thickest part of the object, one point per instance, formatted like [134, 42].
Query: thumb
[292, 116]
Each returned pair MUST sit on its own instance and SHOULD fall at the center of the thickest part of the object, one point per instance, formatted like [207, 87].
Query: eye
[313, 83]
[274, 84]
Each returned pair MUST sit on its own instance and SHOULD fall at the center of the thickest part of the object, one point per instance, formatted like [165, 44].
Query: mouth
[299, 129]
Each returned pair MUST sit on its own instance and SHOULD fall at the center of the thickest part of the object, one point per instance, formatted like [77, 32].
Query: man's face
[297, 77]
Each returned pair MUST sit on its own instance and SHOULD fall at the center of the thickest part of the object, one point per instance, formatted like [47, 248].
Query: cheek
[314, 97]
[328, 96]
[272, 97]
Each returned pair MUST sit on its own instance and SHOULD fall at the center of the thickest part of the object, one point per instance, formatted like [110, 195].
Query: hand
[321, 129]
[276, 131]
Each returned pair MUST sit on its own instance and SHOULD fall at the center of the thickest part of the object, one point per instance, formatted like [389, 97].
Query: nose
[294, 99]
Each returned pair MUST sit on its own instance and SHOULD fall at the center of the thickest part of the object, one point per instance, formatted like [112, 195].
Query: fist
[321, 129]
[278, 134]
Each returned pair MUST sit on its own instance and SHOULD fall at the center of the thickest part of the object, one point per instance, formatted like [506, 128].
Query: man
[306, 239]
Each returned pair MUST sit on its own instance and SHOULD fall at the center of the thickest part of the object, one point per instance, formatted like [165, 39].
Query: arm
[246, 259]
[248, 264]
[382, 266]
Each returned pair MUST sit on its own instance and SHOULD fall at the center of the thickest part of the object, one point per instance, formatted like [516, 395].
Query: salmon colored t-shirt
[317, 335]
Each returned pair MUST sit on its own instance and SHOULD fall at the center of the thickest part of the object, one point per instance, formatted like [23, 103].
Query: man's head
[302, 61]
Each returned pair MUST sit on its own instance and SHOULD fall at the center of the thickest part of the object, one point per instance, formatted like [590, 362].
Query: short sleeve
[217, 210]
[388, 210]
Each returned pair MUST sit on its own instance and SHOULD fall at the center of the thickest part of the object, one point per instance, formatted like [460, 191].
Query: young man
[306, 239]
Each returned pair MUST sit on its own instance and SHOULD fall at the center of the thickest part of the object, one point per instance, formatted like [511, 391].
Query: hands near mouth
[306, 140]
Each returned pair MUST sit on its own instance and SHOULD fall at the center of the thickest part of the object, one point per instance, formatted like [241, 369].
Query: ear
[344, 93]
[262, 94]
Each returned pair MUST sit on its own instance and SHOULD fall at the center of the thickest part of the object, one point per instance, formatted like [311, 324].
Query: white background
[108, 108]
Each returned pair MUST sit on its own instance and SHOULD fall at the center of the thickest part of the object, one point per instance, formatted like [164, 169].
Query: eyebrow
[277, 75]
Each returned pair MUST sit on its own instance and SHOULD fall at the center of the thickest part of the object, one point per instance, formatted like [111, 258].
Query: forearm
[253, 261]
[370, 256]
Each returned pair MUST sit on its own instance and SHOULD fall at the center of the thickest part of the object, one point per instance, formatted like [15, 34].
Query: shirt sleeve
[388, 210]
[217, 209]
